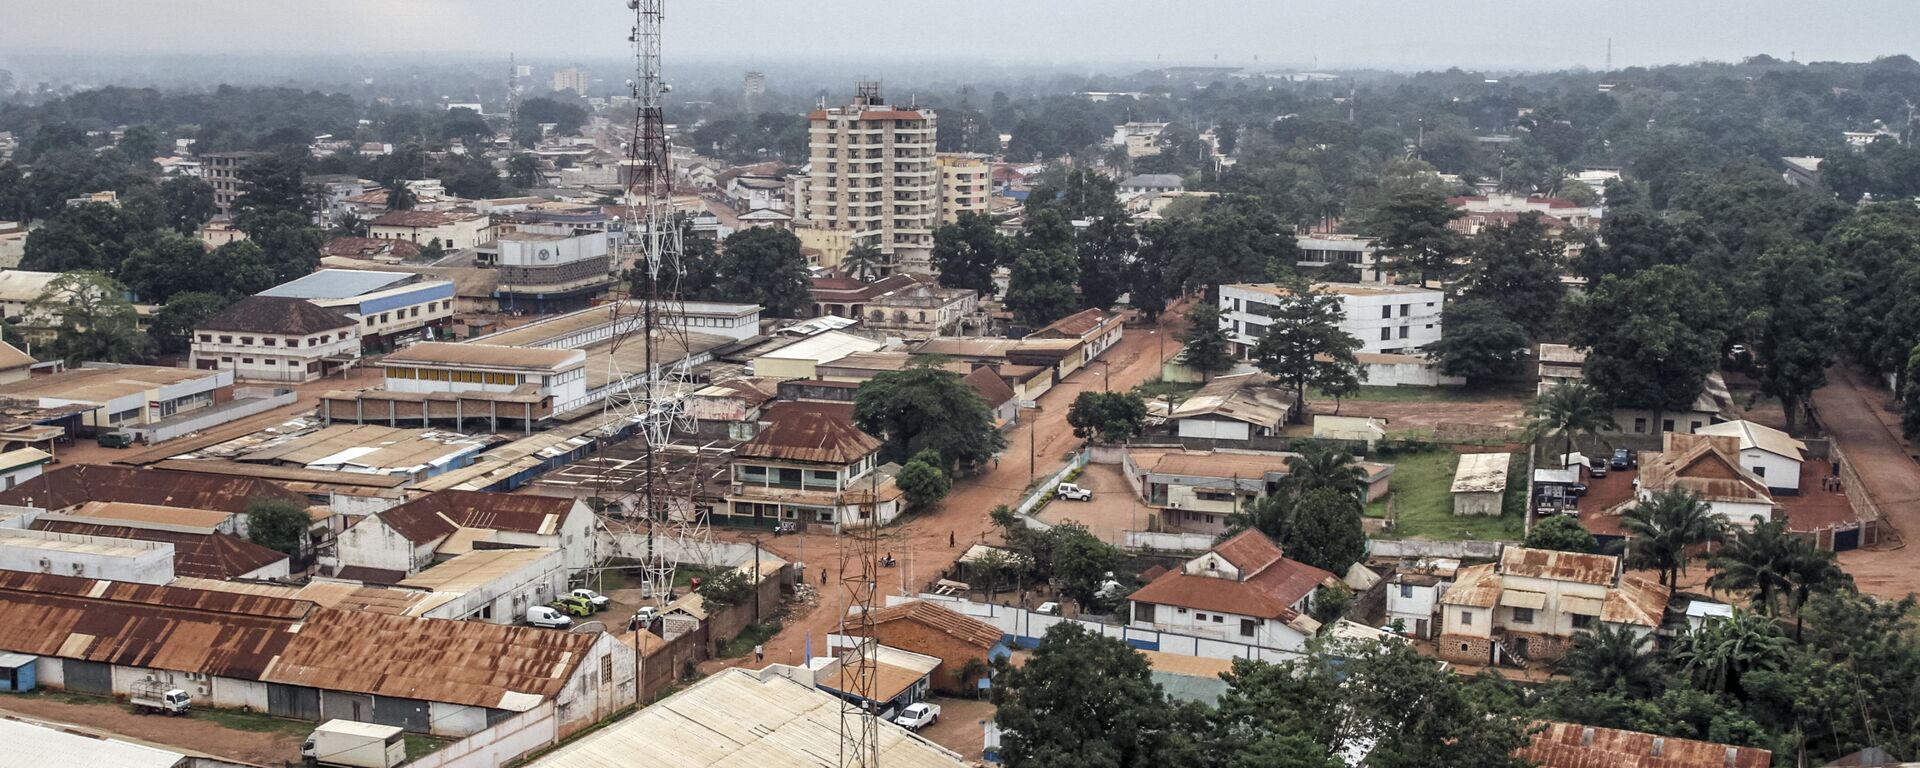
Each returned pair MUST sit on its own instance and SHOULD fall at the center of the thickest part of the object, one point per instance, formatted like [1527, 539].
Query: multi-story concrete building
[1242, 591]
[1413, 594]
[1322, 251]
[966, 185]
[1388, 319]
[222, 170]
[874, 174]
[276, 338]
[1531, 604]
[810, 465]
[571, 79]
[454, 230]
[551, 267]
[393, 307]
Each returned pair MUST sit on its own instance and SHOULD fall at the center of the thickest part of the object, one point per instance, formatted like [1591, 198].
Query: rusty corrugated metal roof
[1557, 566]
[1571, 745]
[460, 662]
[140, 625]
[810, 432]
[439, 513]
[1477, 586]
[80, 483]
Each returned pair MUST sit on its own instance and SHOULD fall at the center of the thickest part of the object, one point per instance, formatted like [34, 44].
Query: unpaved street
[1858, 416]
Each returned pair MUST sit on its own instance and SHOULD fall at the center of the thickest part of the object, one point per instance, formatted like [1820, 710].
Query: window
[1386, 333]
[1403, 331]
[1640, 425]
[606, 670]
[1759, 471]
[1406, 591]
[1404, 308]
[1217, 618]
[369, 322]
[246, 339]
[1247, 626]
[1386, 312]
[226, 339]
[1523, 615]
[1697, 426]
[207, 337]
[1466, 618]
[1666, 424]
[272, 361]
[1582, 622]
[246, 361]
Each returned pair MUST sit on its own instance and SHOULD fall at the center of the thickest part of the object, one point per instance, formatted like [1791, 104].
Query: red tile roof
[1268, 590]
[991, 387]
[1571, 745]
[941, 619]
[1074, 326]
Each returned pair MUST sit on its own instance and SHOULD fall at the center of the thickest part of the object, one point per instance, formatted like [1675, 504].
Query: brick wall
[1463, 649]
[953, 653]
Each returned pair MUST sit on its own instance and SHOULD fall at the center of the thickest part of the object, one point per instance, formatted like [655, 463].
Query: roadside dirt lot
[960, 727]
[197, 734]
[1858, 415]
[1113, 510]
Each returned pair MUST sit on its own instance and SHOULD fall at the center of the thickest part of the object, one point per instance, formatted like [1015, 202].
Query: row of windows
[407, 312]
[459, 377]
[271, 341]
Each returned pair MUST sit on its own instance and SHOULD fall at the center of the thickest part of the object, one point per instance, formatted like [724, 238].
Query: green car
[573, 606]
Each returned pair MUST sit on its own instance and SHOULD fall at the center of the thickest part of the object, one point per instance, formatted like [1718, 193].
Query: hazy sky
[1290, 33]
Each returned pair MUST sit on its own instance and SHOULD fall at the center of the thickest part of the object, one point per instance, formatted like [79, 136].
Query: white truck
[918, 716]
[151, 696]
[1071, 491]
[349, 744]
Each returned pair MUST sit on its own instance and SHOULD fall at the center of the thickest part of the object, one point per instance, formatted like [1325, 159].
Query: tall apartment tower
[571, 79]
[874, 176]
[221, 170]
[751, 88]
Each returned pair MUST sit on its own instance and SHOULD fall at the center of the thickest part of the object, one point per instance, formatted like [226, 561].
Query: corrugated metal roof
[1268, 587]
[460, 662]
[1758, 436]
[1249, 397]
[1481, 473]
[740, 719]
[33, 745]
[1571, 745]
[437, 514]
[476, 569]
[1477, 586]
[339, 284]
[487, 355]
[140, 625]
[810, 432]
[1555, 565]
[212, 556]
[940, 619]
[98, 385]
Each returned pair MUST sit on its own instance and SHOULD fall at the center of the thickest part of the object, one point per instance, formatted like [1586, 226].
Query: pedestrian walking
[759, 654]
[823, 576]
[949, 539]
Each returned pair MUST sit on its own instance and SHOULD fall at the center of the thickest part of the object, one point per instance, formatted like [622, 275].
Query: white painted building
[1770, 454]
[1322, 251]
[454, 230]
[1413, 595]
[439, 367]
[89, 557]
[1243, 590]
[1393, 319]
[269, 338]
[493, 585]
[1531, 604]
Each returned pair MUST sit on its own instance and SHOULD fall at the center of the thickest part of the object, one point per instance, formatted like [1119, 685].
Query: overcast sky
[1280, 33]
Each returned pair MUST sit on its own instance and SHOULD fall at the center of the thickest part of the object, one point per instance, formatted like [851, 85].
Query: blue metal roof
[338, 284]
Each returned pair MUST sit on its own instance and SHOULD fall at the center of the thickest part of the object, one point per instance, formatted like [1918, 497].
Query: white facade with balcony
[1387, 319]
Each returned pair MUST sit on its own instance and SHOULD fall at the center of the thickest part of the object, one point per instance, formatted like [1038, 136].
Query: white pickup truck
[918, 716]
[153, 696]
[1071, 491]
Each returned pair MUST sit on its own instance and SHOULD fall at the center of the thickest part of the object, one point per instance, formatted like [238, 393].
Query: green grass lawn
[1422, 498]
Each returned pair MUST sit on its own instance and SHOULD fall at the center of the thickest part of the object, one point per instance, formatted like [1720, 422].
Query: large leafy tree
[93, 320]
[1420, 715]
[272, 189]
[173, 325]
[1087, 701]
[189, 203]
[1079, 562]
[766, 267]
[1517, 268]
[1325, 467]
[1305, 346]
[967, 251]
[1106, 249]
[921, 408]
[1481, 340]
[1652, 338]
[278, 524]
[1274, 716]
[1910, 396]
[1414, 235]
[1795, 326]
[1158, 273]
[1561, 533]
[1040, 283]
[1205, 344]
[1110, 417]
[1325, 531]
[92, 237]
[923, 479]
[1717, 654]
[1662, 530]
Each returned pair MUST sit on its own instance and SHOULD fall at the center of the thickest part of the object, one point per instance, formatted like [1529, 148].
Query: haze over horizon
[1328, 34]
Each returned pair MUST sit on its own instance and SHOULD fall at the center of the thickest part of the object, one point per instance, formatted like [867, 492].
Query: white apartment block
[1321, 251]
[1387, 319]
[874, 174]
[278, 339]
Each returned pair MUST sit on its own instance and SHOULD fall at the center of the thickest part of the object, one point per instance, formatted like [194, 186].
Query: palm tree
[1569, 411]
[1660, 530]
[1717, 653]
[863, 261]
[400, 197]
[1812, 570]
[1325, 467]
[1611, 658]
[1761, 560]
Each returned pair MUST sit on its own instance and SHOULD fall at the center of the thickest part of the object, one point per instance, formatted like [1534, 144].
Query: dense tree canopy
[927, 408]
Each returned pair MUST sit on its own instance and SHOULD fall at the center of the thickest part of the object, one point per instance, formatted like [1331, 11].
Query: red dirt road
[920, 543]
[1858, 415]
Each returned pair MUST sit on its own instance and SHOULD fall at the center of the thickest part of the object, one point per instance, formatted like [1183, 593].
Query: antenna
[513, 101]
[1609, 55]
[859, 575]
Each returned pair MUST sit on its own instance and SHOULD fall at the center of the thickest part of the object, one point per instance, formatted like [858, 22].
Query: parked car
[643, 617]
[1048, 609]
[152, 696]
[595, 599]
[1071, 491]
[918, 716]
[544, 616]
[114, 440]
[573, 605]
[1597, 467]
[1623, 459]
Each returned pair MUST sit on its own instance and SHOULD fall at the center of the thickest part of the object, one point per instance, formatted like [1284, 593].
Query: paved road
[920, 544]
[1858, 415]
